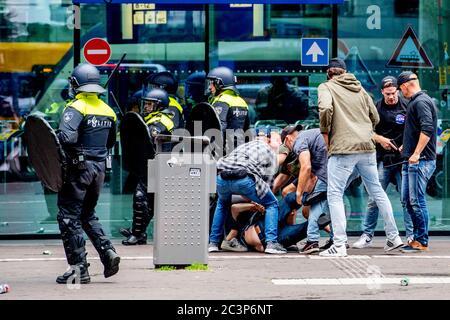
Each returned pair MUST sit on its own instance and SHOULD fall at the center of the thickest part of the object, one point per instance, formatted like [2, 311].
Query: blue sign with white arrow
[315, 52]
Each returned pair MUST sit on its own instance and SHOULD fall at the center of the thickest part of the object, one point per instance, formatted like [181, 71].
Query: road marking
[359, 281]
[256, 256]
[231, 257]
[355, 263]
[417, 256]
[343, 258]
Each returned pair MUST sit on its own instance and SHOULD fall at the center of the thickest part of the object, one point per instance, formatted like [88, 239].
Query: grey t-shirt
[312, 141]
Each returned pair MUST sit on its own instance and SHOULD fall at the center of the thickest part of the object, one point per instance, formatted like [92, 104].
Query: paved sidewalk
[365, 274]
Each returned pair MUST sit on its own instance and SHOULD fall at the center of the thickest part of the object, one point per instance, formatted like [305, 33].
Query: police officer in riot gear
[86, 133]
[194, 90]
[168, 82]
[224, 97]
[159, 120]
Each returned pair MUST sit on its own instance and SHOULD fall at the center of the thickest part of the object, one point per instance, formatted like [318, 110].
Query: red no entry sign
[97, 51]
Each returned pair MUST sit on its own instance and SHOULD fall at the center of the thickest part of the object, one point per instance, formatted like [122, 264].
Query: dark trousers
[76, 202]
[143, 204]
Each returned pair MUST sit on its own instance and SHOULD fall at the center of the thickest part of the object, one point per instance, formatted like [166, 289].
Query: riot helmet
[154, 100]
[164, 80]
[194, 89]
[134, 103]
[85, 78]
[221, 78]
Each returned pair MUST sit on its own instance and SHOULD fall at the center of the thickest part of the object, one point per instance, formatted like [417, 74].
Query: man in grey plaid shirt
[248, 171]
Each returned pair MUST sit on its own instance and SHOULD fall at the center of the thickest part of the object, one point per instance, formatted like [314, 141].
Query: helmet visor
[210, 86]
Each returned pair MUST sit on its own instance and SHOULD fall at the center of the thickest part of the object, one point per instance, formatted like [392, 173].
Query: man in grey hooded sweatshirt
[347, 119]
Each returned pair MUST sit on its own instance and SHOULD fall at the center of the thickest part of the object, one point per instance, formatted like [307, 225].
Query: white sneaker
[364, 241]
[393, 244]
[213, 247]
[334, 251]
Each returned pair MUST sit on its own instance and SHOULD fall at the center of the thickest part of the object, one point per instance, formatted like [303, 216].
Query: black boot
[76, 274]
[133, 240]
[126, 232]
[110, 260]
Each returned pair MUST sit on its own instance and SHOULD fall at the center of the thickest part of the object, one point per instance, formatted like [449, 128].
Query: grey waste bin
[181, 184]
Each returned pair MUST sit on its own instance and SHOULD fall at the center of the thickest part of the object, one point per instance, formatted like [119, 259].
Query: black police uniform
[231, 109]
[158, 122]
[87, 131]
[233, 114]
[168, 82]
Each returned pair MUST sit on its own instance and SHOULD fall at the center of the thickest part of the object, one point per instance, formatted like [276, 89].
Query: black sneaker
[75, 274]
[111, 262]
[134, 240]
[327, 245]
[310, 247]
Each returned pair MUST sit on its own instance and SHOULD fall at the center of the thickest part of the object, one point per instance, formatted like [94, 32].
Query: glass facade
[261, 43]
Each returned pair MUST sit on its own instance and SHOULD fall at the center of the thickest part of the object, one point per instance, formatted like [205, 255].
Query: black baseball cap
[337, 63]
[405, 77]
[289, 129]
[388, 81]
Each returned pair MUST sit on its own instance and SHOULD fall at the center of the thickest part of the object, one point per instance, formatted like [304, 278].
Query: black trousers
[76, 202]
[143, 204]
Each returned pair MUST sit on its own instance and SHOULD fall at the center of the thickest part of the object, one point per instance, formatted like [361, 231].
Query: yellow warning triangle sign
[409, 53]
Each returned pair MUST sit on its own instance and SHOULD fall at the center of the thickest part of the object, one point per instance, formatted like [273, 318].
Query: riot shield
[45, 152]
[202, 112]
[136, 143]
[204, 121]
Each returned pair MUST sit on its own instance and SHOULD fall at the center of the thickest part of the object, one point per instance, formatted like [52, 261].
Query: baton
[116, 102]
[114, 70]
[403, 162]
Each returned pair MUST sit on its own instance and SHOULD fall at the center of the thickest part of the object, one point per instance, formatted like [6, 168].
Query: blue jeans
[287, 234]
[415, 179]
[245, 187]
[386, 175]
[340, 168]
[315, 211]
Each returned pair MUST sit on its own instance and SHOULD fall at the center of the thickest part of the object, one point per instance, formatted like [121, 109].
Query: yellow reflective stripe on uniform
[174, 103]
[90, 104]
[230, 98]
[164, 119]
[151, 115]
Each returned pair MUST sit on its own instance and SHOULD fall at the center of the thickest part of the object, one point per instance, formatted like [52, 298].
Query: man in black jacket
[419, 147]
[388, 136]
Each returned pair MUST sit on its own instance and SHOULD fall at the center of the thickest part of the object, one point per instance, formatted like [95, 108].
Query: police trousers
[143, 204]
[76, 202]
